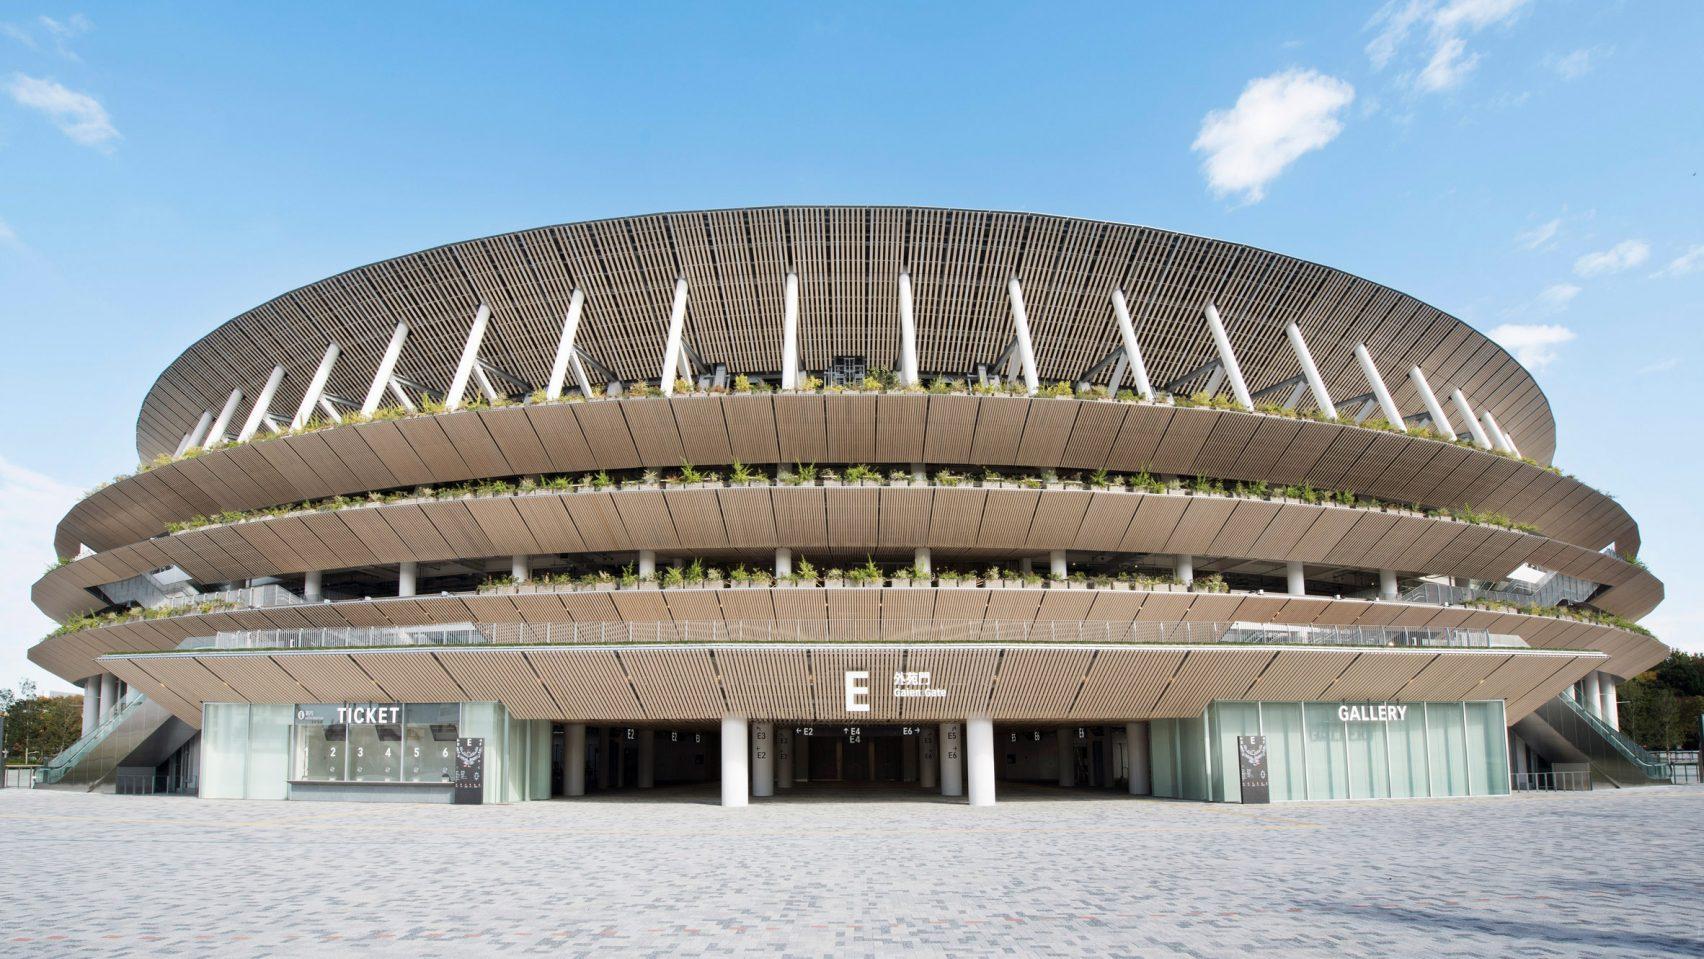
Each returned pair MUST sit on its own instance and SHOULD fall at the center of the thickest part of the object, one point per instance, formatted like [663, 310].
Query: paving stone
[1045, 873]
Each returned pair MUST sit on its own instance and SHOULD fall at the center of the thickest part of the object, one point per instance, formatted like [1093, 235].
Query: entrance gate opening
[856, 755]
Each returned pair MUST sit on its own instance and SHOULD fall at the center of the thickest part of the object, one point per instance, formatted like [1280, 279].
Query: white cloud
[64, 31]
[1660, 366]
[1533, 344]
[1445, 27]
[8, 236]
[19, 34]
[1622, 256]
[1689, 262]
[1275, 121]
[1571, 66]
[1552, 299]
[77, 115]
[1539, 236]
[31, 505]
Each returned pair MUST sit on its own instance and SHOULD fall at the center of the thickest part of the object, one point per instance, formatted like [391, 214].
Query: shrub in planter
[834, 577]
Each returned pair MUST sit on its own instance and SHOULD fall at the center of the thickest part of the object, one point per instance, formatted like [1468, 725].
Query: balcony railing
[852, 631]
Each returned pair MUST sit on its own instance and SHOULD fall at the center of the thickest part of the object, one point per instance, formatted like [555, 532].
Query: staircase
[89, 763]
[1563, 731]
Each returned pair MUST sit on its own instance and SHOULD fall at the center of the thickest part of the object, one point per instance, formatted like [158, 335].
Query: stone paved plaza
[1045, 873]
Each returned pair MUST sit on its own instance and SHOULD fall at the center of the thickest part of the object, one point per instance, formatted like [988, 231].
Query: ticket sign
[470, 771]
[1252, 766]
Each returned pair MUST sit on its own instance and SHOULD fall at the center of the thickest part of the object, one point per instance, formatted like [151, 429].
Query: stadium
[782, 501]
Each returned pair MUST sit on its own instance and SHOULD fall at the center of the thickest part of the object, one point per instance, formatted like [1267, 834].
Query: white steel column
[647, 564]
[762, 759]
[1518, 748]
[574, 759]
[1391, 413]
[783, 756]
[262, 405]
[1132, 351]
[922, 560]
[1316, 383]
[520, 567]
[194, 437]
[1387, 584]
[109, 695]
[1228, 359]
[1478, 432]
[1495, 432]
[671, 346]
[311, 585]
[783, 562]
[1020, 326]
[647, 758]
[736, 776]
[401, 395]
[1612, 706]
[222, 422]
[1295, 578]
[1067, 768]
[408, 578]
[790, 333]
[565, 348]
[928, 758]
[907, 334]
[1136, 750]
[979, 758]
[316, 386]
[952, 754]
[1184, 569]
[1440, 421]
[1593, 700]
[1056, 564]
[469, 358]
[387, 367]
[484, 381]
[91, 704]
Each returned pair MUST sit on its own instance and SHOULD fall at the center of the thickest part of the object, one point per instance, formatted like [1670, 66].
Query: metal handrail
[1557, 588]
[1567, 780]
[842, 631]
[1634, 753]
[55, 769]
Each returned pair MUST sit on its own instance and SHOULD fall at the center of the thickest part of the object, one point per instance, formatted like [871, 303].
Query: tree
[1664, 703]
[39, 726]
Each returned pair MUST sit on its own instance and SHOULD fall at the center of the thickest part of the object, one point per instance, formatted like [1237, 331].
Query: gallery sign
[1253, 769]
[1372, 713]
[470, 772]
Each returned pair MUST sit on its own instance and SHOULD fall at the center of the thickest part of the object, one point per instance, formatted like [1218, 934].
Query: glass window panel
[1192, 758]
[1447, 749]
[1162, 743]
[1327, 777]
[375, 752]
[322, 752]
[1407, 742]
[224, 750]
[268, 752]
[1230, 720]
[1282, 723]
[429, 741]
[1487, 750]
[1369, 773]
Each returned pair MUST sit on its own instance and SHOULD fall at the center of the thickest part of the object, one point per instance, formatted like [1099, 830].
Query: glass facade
[376, 743]
[245, 750]
[1337, 750]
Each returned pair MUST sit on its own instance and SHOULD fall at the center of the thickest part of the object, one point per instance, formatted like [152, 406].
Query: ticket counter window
[429, 742]
[374, 743]
[322, 744]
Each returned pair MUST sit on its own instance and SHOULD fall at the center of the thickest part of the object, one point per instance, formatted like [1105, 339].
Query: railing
[1556, 589]
[1611, 753]
[19, 777]
[842, 631]
[1566, 781]
[1683, 764]
[55, 769]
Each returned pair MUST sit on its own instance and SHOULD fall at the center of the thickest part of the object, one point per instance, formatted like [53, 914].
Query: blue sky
[1529, 166]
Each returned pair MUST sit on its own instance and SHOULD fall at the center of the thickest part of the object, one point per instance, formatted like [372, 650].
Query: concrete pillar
[311, 585]
[736, 774]
[520, 568]
[790, 333]
[979, 744]
[647, 758]
[1136, 756]
[91, 704]
[109, 695]
[216, 433]
[262, 405]
[1611, 707]
[1066, 746]
[1185, 569]
[1026, 566]
[908, 759]
[783, 756]
[387, 367]
[316, 387]
[574, 759]
[1310, 372]
[928, 760]
[907, 334]
[1228, 359]
[1518, 748]
[1295, 579]
[1132, 350]
[1392, 415]
[783, 562]
[671, 346]
[1020, 326]
[565, 349]
[1387, 584]
[1593, 699]
[923, 560]
[1056, 564]
[647, 564]
[1473, 428]
[762, 759]
[408, 578]
[952, 756]
[1440, 420]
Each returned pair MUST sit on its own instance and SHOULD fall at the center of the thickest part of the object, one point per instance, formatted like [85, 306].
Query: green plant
[867, 574]
[946, 477]
[858, 473]
[804, 572]
[741, 473]
[689, 474]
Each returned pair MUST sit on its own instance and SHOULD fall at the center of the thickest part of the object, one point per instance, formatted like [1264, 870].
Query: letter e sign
[856, 691]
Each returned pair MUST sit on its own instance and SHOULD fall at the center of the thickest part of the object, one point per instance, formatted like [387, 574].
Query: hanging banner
[470, 771]
[1251, 764]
